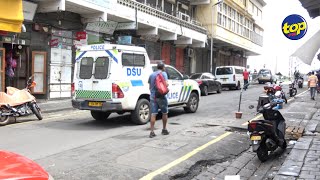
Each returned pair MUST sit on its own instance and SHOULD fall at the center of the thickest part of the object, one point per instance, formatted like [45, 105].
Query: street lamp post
[211, 48]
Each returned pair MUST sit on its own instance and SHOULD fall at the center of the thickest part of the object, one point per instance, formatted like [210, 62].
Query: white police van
[114, 78]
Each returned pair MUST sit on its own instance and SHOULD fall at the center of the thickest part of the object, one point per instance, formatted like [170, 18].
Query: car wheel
[142, 113]
[100, 115]
[205, 91]
[219, 89]
[192, 104]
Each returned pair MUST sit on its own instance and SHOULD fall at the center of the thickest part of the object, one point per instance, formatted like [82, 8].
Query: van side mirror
[185, 76]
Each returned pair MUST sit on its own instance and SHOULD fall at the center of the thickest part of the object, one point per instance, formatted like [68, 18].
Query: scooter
[268, 134]
[271, 90]
[18, 102]
[292, 89]
[300, 82]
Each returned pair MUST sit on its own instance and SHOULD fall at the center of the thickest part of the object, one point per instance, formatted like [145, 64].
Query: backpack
[161, 86]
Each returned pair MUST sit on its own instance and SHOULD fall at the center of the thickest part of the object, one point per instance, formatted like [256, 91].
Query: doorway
[17, 65]
[2, 69]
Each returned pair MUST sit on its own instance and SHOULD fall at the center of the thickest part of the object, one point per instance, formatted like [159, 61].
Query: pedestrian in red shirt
[245, 79]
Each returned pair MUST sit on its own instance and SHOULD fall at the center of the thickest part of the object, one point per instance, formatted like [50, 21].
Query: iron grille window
[101, 68]
[86, 68]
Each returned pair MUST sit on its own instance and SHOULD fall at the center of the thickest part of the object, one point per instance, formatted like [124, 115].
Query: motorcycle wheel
[284, 145]
[36, 110]
[262, 153]
[294, 91]
[4, 120]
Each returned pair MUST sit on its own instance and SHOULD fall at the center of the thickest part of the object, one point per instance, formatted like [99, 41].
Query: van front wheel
[142, 113]
[192, 104]
[100, 115]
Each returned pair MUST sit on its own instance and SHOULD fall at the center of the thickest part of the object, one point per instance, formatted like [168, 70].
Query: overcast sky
[276, 47]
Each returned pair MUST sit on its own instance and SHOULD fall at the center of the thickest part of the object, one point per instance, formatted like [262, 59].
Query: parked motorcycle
[18, 102]
[271, 90]
[268, 134]
[300, 82]
[292, 89]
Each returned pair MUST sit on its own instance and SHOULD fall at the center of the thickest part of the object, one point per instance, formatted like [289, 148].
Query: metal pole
[211, 52]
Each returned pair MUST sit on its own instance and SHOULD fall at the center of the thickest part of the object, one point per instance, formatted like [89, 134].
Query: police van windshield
[223, 71]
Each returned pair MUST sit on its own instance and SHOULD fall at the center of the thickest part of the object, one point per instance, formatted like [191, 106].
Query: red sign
[3, 33]
[54, 42]
[81, 35]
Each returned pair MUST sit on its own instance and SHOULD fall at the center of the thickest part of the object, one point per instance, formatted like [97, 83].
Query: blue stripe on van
[136, 82]
[112, 56]
[81, 55]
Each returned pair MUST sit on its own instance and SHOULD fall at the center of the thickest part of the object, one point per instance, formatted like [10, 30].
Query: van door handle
[95, 81]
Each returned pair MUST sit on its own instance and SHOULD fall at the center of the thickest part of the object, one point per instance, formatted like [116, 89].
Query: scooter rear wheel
[262, 153]
[36, 110]
[4, 120]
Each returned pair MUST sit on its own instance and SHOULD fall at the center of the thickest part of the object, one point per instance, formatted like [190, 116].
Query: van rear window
[86, 68]
[223, 71]
[101, 68]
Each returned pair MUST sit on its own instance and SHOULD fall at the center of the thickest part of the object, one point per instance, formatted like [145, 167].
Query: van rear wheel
[100, 115]
[142, 113]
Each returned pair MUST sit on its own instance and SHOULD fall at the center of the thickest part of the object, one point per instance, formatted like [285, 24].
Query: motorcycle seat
[18, 97]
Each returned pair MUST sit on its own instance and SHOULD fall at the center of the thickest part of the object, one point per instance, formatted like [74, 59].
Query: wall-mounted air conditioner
[190, 52]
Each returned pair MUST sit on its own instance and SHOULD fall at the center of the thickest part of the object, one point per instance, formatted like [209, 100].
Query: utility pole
[212, 21]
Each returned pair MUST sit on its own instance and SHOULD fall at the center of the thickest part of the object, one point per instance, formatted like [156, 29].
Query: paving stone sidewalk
[301, 160]
[55, 105]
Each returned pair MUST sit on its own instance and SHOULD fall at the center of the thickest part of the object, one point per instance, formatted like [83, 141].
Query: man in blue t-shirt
[157, 103]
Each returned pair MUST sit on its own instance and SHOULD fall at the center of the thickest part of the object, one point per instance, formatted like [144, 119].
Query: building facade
[236, 29]
[58, 28]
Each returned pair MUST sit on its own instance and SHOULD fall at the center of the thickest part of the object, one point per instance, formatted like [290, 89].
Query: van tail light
[199, 82]
[72, 89]
[116, 91]
[234, 77]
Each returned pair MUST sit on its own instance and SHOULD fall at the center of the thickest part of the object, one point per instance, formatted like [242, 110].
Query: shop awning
[308, 50]
[11, 15]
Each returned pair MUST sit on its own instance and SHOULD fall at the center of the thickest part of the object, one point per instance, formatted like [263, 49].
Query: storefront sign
[3, 33]
[102, 27]
[127, 26]
[29, 9]
[54, 42]
[81, 35]
[124, 40]
[7, 39]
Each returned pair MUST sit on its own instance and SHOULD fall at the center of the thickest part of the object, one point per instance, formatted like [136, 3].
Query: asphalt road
[71, 145]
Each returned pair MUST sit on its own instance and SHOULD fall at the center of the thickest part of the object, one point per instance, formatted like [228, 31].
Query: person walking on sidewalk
[158, 102]
[312, 84]
[245, 79]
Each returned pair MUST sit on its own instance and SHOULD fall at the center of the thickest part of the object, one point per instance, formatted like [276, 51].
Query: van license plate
[224, 80]
[255, 138]
[95, 104]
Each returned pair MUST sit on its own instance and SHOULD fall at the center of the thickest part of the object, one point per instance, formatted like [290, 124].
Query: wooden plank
[289, 129]
[295, 130]
[301, 129]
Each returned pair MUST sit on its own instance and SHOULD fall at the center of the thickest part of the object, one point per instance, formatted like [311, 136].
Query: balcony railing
[256, 38]
[160, 14]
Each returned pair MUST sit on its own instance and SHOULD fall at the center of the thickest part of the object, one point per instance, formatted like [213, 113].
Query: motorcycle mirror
[251, 106]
